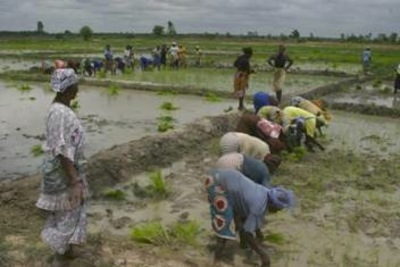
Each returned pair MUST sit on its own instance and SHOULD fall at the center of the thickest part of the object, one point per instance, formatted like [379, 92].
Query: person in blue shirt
[239, 204]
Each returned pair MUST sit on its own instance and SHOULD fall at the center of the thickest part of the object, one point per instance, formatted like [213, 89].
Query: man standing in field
[281, 62]
[367, 58]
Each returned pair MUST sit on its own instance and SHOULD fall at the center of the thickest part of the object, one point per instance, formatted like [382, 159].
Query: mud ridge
[369, 109]
[119, 163]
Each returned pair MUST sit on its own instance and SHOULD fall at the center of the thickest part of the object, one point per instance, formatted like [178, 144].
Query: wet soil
[347, 212]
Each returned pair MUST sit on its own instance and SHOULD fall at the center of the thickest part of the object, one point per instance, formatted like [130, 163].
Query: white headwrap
[62, 79]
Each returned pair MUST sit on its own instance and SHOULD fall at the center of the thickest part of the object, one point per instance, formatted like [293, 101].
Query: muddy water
[364, 134]
[222, 79]
[108, 120]
[368, 94]
[7, 64]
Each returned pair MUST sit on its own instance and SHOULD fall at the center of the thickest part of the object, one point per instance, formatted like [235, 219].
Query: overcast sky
[327, 18]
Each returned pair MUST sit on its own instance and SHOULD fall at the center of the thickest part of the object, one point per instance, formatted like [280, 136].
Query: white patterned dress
[64, 136]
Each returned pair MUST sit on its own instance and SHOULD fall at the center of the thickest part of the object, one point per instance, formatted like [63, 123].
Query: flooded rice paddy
[108, 120]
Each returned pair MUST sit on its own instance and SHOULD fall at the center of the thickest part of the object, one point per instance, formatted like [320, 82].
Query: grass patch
[165, 123]
[158, 188]
[115, 194]
[275, 238]
[168, 106]
[75, 106]
[211, 97]
[113, 89]
[24, 87]
[155, 233]
[37, 150]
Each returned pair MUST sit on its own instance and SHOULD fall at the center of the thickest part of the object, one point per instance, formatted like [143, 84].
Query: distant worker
[367, 59]
[281, 62]
[109, 60]
[397, 80]
[198, 56]
[182, 56]
[173, 53]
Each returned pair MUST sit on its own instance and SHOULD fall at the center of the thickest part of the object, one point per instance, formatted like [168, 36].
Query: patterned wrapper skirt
[278, 79]
[65, 225]
[222, 217]
[240, 83]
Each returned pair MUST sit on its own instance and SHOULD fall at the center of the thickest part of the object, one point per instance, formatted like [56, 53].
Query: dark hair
[247, 50]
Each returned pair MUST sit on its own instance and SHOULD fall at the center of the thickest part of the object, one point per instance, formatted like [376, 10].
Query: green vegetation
[211, 97]
[168, 106]
[75, 105]
[115, 194]
[275, 238]
[113, 89]
[155, 233]
[24, 87]
[37, 150]
[4, 256]
[158, 188]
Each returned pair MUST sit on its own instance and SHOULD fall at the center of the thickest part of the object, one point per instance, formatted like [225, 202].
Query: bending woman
[239, 204]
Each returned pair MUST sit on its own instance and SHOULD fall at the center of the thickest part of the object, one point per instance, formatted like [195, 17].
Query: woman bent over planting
[239, 204]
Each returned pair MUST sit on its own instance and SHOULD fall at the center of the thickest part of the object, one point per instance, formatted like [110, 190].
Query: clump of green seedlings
[211, 97]
[114, 194]
[168, 106]
[24, 87]
[32, 98]
[275, 238]
[165, 123]
[113, 89]
[37, 150]
[158, 188]
[4, 255]
[358, 87]
[75, 106]
[155, 233]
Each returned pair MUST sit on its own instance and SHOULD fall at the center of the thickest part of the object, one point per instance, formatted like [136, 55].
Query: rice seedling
[155, 233]
[168, 106]
[185, 233]
[75, 106]
[115, 194]
[166, 118]
[24, 87]
[211, 97]
[151, 233]
[102, 74]
[113, 89]
[275, 238]
[157, 188]
[37, 150]
[164, 126]
[32, 98]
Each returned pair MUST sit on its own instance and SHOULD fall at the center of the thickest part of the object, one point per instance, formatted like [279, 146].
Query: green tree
[158, 30]
[86, 32]
[295, 34]
[393, 37]
[171, 28]
[40, 26]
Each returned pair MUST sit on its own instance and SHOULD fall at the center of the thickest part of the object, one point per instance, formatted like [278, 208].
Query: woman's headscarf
[63, 79]
[280, 198]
